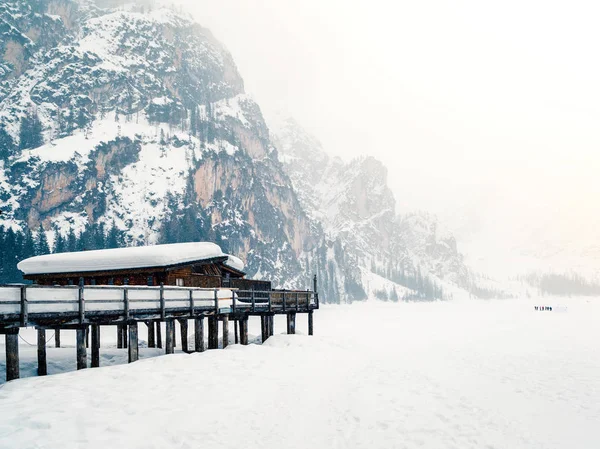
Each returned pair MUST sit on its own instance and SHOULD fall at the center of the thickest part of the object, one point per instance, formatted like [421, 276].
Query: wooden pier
[85, 308]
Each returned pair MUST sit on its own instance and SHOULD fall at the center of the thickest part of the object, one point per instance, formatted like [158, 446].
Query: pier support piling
[270, 325]
[81, 352]
[264, 327]
[95, 345]
[41, 352]
[213, 332]
[225, 331]
[12, 353]
[199, 333]
[310, 322]
[183, 324]
[151, 339]
[170, 336]
[57, 338]
[244, 330]
[159, 343]
[133, 342]
[291, 323]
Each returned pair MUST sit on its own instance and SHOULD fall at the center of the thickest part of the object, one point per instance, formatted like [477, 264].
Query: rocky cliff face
[141, 113]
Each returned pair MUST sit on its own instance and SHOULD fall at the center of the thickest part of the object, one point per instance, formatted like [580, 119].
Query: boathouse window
[179, 282]
[70, 281]
[126, 281]
[111, 281]
[150, 280]
[93, 281]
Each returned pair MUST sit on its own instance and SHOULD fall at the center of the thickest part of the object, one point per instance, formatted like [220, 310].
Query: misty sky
[487, 113]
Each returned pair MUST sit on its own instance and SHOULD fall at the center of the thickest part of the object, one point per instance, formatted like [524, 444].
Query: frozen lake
[490, 374]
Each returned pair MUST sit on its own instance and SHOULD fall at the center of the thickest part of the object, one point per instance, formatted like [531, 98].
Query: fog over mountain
[485, 114]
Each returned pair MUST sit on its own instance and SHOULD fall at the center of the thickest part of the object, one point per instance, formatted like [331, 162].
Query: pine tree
[7, 145]
[71, 241]
[41, 242]
[30, 132]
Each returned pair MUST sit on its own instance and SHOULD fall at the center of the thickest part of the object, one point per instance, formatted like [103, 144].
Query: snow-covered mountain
[132, 117]
[356, 208]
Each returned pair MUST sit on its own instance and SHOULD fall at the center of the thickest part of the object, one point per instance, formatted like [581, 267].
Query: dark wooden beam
[81, 352]
[270, 325]
[199, 333]
[235, 330]
[41, 352]
[310, 322]
[133, 342]
[264, 327]
[57, 338]
[95, 345]
[12, 354]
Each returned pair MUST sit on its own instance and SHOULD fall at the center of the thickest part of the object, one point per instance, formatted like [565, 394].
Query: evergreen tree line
[564, 285]
[424, 287]
[18, 245]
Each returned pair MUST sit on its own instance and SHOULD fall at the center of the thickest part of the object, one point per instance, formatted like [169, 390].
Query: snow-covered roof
[127, 258]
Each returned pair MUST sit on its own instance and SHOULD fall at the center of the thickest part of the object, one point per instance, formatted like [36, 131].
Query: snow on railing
[18, 302]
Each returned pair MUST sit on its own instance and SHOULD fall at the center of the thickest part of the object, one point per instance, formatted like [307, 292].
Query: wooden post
[244, 330]
[158, 335]
[57, 338]
[81, 352]
[183, 324]
[170, 337]
[124, 332]
[12, 353]
[225, 331]
[310, 322]
[264, 327]
[213, 332]
[151, 340]
[133, 342]
[119, 337]
[270, 325]
[199, 333]
[291, 323]
[95, 345]
[87, 337]
[24, 308]
[235, 331]
[41, 352]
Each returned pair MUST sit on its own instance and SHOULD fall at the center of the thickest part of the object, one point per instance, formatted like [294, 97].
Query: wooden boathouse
[154, 284]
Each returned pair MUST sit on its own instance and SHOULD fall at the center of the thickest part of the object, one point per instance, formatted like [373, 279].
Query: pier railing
[26, 305]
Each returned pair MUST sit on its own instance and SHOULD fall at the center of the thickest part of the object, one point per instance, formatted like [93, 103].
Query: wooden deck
[86, 308]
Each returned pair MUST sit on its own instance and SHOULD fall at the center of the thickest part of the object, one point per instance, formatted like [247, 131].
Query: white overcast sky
[471, 104]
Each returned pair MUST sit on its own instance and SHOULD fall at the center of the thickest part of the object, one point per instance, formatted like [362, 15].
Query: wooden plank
[41, 352]
[57, 338]
[133, 351]
[225, 331]
[81, 352]
[199, 333]
[310, 322]
[170, 337]
[12, 354]
[291, 323]
[159, 341]
[95, 345]
[183, 324]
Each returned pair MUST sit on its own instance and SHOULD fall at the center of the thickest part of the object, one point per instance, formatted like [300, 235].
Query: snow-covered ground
[377, 375]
